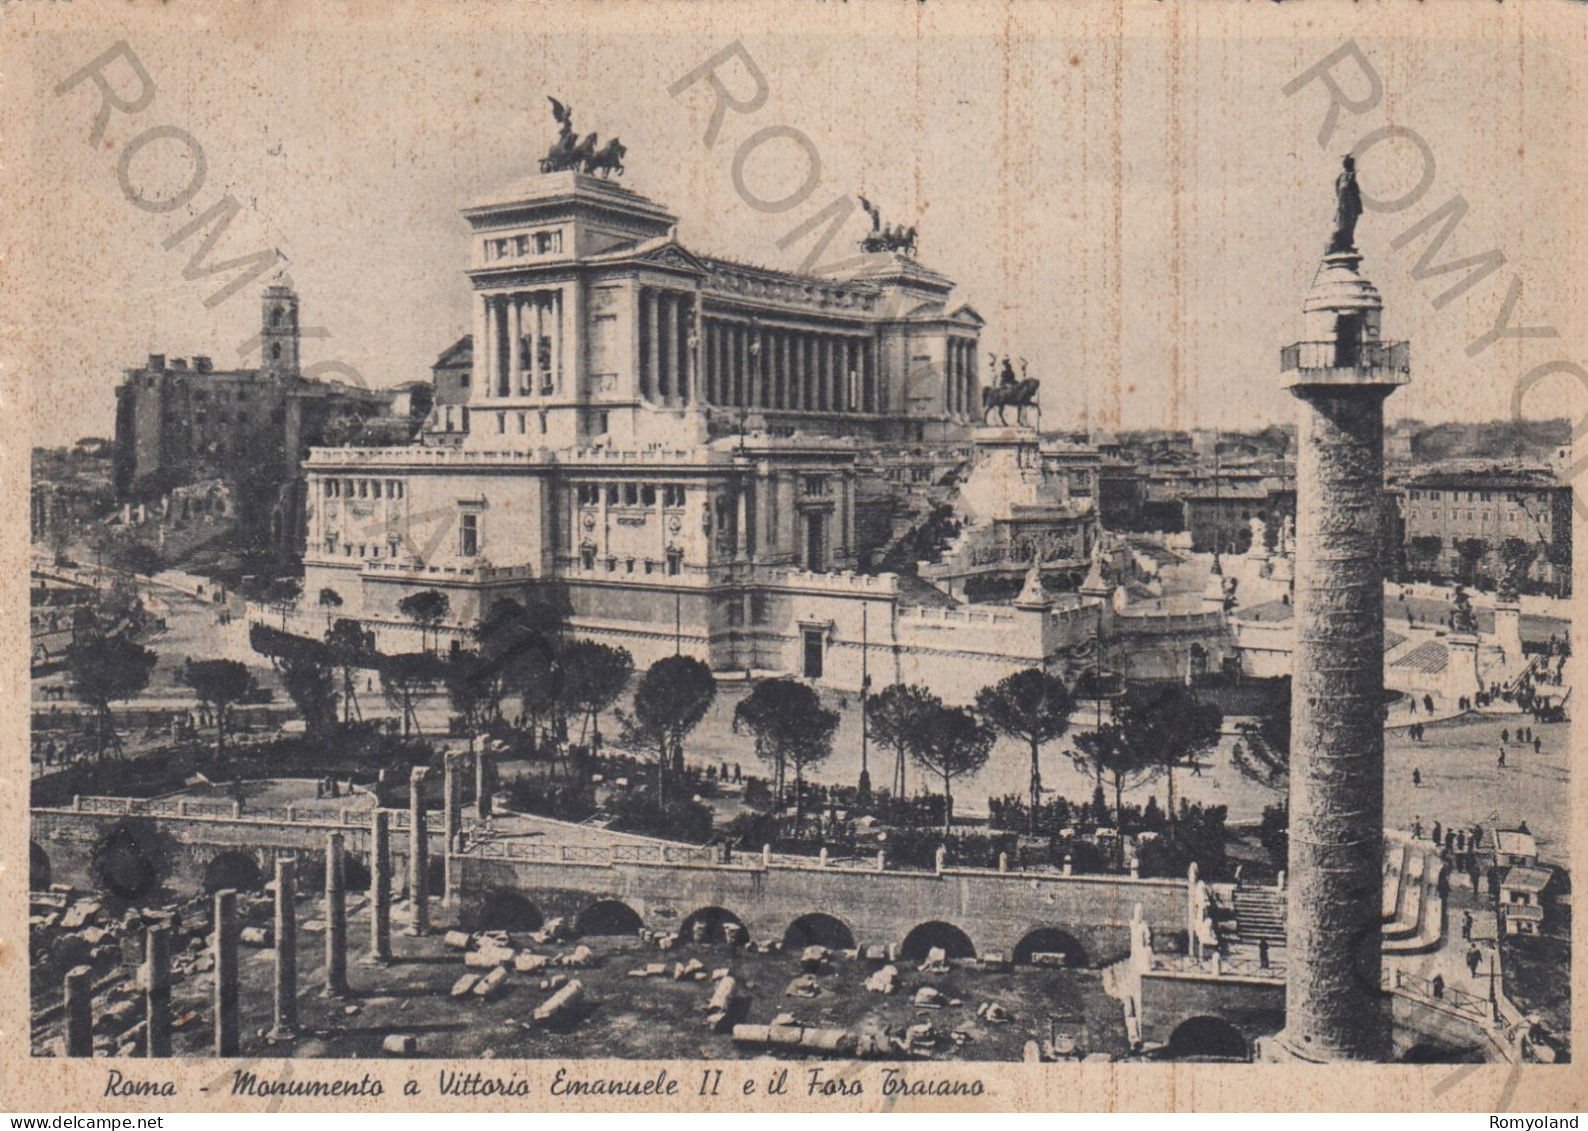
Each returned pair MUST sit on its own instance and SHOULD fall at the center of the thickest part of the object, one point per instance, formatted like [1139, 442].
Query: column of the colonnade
[285, 1016]
[380, 886]
[223, 949]
[335, 918]
[418, 856]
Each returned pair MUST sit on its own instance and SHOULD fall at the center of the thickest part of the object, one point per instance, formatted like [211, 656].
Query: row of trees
[1152, 731]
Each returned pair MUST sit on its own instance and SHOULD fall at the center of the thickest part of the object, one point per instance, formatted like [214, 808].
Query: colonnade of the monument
[523, 352]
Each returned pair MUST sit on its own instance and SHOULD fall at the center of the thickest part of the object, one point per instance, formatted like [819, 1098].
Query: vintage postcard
[964, 555]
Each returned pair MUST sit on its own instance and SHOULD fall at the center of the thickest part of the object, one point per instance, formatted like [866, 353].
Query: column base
[281, 1033]
[375, 960]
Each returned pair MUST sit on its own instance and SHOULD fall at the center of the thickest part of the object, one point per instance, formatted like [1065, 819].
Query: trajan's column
[1334, 1006]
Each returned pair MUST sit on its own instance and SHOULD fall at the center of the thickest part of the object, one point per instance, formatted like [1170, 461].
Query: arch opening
[501, 909]
[818, 929]
[237, 871]
[708, 925]
[1207, 1038]
[608, 917]
[1050, 941]
[39, 871]
[128, 860]
[954, 942]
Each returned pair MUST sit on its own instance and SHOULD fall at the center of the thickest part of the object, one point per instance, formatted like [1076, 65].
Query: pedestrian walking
[1262, 953]
[1505, 735]
[1502, 757]
[1538, 744]
[1438, 985]
[1466, 925]
[1474, 960]
[1417, 778]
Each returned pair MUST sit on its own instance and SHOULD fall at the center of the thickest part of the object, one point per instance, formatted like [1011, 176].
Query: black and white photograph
[917, 547]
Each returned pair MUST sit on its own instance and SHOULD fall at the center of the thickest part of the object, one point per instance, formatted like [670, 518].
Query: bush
[676, 820]
[561, 799]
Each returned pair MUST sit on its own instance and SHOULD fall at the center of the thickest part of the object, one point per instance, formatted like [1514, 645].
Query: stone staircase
[1259, 915]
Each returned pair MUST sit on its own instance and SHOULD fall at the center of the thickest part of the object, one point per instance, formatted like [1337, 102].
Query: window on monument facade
[520, 245]
[587, 557]
[612, 496]
[548, 243]
[469, 535]
[648, 496]
[374, 488]
[631, 495]
[675, 562]
[672, 496]
[815, 486]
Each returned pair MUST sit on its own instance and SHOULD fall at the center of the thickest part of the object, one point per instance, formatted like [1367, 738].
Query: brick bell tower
[278, 335]
[1335, 1008]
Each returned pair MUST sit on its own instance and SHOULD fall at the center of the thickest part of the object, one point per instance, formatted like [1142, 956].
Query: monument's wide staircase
[1259, 916]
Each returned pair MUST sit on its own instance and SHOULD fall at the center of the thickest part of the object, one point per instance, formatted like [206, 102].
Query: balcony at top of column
[1383, 365]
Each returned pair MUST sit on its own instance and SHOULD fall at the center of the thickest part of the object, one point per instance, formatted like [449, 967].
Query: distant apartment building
[1459, 522]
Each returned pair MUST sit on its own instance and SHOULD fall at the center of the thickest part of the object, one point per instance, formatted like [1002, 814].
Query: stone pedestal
[223, 943]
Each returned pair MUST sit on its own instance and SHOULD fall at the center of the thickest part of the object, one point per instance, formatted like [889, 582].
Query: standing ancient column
[285, 1018]
[451, 819]
[418, 856]
[335, 918]
[380, 888]
[223, 943]
[1335, 1008]
[157, 991]
[79, 1008]
[482, 782]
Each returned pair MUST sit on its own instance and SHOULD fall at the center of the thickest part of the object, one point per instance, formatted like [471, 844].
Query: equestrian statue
[1009, 390]
[886, 237]
[586, 155]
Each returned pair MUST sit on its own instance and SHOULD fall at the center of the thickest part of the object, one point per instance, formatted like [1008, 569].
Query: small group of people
[1416, 731]
[327, 787]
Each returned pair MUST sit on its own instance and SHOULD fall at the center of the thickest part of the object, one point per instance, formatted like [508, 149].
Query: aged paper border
[47, 1086]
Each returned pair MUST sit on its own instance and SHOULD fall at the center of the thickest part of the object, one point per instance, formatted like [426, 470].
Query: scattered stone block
[655, 969]
[256, 936]
[884, 981]
[936, 961]
[813, 958]
[930, 997]
[488, 956]
[1048, 958]
[561, 1003]
[465, 985]
[579, 957]
[803, 986]
[734, 934]
[457, 940]
[400, 1044]
[528, 962]
[488, 986]
[719, 973]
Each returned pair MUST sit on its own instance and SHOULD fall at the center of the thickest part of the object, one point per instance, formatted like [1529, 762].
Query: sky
[1124, 192]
